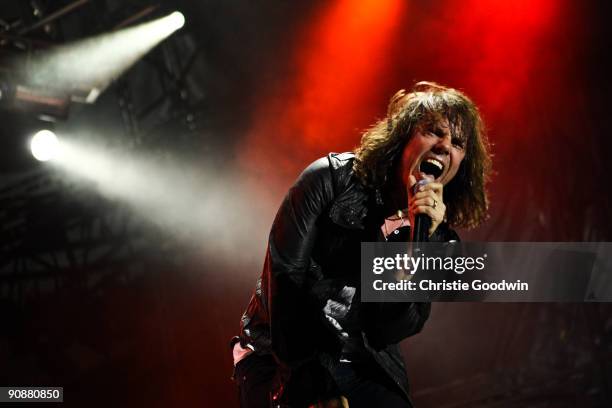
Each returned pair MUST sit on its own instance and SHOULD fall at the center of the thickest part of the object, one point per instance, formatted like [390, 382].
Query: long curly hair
[379, 153]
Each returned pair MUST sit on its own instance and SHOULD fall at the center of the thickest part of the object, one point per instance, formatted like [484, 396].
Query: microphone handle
[422, 223]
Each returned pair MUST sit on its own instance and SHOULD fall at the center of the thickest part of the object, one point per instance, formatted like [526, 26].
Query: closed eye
[438, 132]
[458, 143]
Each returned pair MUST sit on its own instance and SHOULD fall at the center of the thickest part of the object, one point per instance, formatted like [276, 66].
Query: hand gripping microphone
[422, 222]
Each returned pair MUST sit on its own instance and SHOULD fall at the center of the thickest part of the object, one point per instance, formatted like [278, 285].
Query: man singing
[306, 340]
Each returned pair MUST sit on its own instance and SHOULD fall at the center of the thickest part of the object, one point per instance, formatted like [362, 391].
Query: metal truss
[56, 235]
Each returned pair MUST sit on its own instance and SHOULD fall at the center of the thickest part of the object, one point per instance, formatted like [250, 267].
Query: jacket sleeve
[390, 323]
[296, 320]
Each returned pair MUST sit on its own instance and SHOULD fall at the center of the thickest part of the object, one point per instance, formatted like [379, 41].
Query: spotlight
[176, 20]
[55, 77]
[44, 145]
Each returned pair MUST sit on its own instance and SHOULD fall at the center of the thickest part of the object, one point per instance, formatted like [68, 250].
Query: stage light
[176, 20]
[44, 145]
[84, 69]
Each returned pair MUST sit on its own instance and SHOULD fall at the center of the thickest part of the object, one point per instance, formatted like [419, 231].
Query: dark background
[121, 310]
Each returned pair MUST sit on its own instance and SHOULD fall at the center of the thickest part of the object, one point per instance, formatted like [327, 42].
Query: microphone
[422, 222]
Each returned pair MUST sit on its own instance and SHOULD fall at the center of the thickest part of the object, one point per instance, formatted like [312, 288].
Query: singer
[306, 339]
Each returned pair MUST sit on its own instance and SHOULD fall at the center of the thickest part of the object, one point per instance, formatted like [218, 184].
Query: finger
[429, 201]
[435, 216]
[411, 182]
[428, 193]
[429, 198]
[426, 209]
[432, 229]
[435, 187]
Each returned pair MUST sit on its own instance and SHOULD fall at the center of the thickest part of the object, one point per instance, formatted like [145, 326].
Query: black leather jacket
[306, 292]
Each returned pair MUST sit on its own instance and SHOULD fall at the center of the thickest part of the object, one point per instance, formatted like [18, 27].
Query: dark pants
[364, 385]
[254, 375]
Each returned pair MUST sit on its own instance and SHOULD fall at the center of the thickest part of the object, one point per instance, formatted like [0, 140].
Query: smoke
[203, 204]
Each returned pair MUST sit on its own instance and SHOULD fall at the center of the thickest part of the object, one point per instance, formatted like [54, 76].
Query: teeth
[435, 163]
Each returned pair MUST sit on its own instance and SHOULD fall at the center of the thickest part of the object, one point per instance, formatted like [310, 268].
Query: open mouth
[432, 167]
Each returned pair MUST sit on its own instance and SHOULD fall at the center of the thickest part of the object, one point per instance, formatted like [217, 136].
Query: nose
[443, 145]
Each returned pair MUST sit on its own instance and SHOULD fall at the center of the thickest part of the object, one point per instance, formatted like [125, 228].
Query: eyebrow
[437, 128]
[444, 129]
[455, 132]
